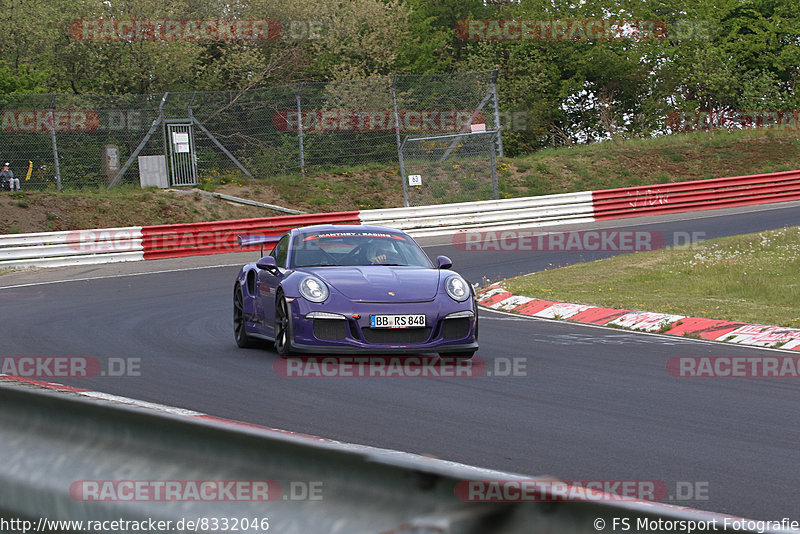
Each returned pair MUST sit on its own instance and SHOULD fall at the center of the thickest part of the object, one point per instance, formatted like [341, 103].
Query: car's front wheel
[283, 327]
[239, 332]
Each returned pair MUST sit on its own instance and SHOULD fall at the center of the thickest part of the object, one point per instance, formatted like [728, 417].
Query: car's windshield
[356, 248]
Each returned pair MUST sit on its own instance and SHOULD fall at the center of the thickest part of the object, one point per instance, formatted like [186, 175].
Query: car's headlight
[457, 288]
[313, 289]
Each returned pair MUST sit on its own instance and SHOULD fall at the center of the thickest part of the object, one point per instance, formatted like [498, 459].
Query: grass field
[750, 278]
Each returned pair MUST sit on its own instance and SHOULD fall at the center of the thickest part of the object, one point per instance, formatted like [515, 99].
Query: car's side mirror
[267, 263]
[444, 262]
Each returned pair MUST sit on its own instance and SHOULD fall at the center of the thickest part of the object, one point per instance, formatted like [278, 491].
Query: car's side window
[280, 251]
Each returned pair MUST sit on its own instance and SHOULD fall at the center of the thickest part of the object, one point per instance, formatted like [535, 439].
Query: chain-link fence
[75, 141]
[450, 168]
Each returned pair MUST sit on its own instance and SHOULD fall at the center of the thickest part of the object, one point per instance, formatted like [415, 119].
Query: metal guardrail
[136, 243]
[512, 213]
[57, 249]
[190, 239]
[178, 240]
[696, 195]
[54, 443]
[193, 239]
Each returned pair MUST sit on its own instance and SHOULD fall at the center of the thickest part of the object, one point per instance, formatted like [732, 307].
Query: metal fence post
[300, 130]
[493, 163]
[399, 143]
[164, 137]
[497, 115]
[53, 139]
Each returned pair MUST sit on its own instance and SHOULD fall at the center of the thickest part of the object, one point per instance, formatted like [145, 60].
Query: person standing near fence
[7, 178]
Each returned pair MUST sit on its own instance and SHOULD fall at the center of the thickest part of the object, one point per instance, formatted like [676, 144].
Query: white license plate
[396, 321]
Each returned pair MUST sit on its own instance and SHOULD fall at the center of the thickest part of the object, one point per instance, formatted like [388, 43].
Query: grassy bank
[751, 278]
[37, 211]
[673, 158]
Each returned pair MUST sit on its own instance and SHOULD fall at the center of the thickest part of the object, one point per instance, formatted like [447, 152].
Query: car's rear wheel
[283, 328]
[239, 332]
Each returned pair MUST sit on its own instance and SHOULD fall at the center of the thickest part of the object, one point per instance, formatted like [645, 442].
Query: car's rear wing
[255, 240]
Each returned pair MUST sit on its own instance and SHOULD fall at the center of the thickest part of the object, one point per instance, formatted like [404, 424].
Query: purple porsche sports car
[341, 289]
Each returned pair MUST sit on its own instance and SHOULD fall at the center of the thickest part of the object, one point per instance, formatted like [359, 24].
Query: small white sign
[180, 140]
[478, 127]
[414, 179]
[112, 153]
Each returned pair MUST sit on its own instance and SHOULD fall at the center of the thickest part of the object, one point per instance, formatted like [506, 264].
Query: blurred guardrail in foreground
[74, 458]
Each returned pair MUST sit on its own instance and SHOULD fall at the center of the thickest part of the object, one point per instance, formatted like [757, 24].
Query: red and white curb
[496, 297]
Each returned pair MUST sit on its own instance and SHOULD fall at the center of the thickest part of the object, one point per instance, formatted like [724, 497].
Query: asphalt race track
[591, 404]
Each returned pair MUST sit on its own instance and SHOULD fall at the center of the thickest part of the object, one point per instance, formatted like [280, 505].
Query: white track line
[125, 275]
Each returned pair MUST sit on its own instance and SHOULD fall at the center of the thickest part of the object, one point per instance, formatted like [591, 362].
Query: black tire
[283, 328]
[239, 332]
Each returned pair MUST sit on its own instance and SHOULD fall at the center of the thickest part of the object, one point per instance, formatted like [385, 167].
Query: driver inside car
[383, 253]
